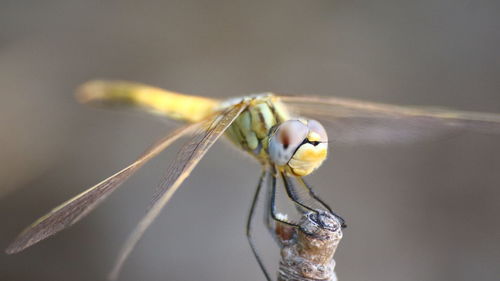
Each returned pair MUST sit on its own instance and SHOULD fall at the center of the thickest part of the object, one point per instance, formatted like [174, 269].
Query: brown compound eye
[291, 133]
[286, 139]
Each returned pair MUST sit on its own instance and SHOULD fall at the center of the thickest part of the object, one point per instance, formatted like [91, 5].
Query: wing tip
[25, 240]
[15, 248]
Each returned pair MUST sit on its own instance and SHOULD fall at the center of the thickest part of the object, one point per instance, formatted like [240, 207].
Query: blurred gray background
[426, 211]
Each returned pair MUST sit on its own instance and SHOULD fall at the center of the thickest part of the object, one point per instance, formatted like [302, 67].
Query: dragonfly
[284, 133]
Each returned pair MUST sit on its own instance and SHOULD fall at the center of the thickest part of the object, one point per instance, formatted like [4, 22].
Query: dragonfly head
[299, 146]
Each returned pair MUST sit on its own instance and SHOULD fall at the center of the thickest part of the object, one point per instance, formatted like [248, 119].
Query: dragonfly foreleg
[313, 195]
[275, 216]
[294, 196]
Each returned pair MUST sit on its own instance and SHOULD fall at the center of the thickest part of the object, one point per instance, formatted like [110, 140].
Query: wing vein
[188, 157]
[76, 208]
[360, 122]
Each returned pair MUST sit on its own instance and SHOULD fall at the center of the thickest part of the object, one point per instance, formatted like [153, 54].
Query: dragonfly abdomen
[166, 103]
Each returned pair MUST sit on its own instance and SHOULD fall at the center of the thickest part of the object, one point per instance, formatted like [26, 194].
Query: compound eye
[317, 132]
[291, 133]
[286, 139]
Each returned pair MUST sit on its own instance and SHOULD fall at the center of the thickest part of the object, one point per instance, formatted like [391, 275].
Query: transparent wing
[188, 157]
[76, 208]
[354, 122]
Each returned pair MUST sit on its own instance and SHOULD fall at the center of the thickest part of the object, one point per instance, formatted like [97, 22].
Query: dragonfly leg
[292, 194]
[272, 210]
[271, 217]
[268, 222]
[313, 195]
[249, 225]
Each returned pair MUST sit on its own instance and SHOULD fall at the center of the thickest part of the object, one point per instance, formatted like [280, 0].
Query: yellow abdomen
[170, 104]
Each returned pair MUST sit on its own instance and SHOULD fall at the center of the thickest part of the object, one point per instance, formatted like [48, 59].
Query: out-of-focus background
[426, 211]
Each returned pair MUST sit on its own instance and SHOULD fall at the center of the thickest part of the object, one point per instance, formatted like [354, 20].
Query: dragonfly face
[299, 146]
[266, 130]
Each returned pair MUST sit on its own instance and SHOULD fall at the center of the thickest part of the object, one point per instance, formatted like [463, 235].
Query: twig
[307, 251]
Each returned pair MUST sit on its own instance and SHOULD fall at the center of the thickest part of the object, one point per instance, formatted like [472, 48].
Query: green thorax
[251, 129]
